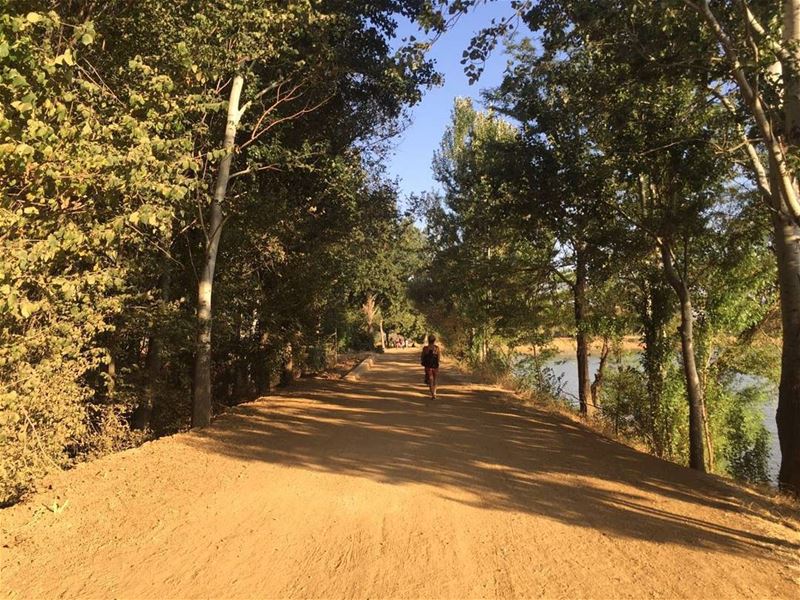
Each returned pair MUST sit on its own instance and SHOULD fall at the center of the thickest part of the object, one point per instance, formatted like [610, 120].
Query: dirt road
[365, 490]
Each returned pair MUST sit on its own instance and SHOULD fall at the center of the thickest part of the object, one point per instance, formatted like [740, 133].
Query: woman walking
[430, 360]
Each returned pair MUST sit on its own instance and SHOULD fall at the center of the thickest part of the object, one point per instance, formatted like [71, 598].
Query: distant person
[430, 360]
[422, 361]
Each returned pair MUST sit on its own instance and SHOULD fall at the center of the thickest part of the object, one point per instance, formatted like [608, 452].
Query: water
[566, 367]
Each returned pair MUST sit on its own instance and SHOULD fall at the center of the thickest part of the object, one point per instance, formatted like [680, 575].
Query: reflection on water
[566, 367]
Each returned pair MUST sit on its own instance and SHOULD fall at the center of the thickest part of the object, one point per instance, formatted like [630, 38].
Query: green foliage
[110, 127]
[746, 450]
[85, 189]
[736, 415]
[623, 149]
[658, 421]
[532, 372]
[481, 286]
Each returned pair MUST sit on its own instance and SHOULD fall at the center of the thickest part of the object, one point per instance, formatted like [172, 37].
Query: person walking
[430, 360]
[423, 360]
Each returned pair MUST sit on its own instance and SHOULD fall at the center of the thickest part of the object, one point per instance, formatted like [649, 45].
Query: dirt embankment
[362, 489]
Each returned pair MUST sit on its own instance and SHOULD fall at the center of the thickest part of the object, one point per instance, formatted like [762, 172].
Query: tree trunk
[111, 374]
[383, 336]
[791, 77]
[587, 405]
[335, 346]
[144, 411]
[201, 406]
[787, 249]
[597, 384]
[709, 439]
[261, 368]
[287, 371]
[241, 385]
[694, 391]
[655, 311]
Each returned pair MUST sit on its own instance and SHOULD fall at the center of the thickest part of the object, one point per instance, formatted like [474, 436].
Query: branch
[156, 245]
[762, 179]
[758, 108]
[279, 99]
[103, 85]
[670, 145]
[674, 278]
[561, 276]
[260, 94]
[750, 26]
[200, 218]
[191, 256]
[305, 110]
[753, 24]
[38, 439]
[631, 220]
[248, 170]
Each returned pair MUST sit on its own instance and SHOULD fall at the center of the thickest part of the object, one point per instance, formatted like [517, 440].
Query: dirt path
[363, 489]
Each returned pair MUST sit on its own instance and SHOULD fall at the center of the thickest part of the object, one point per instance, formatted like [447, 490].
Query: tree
[77, 206]
[481, 268]
[571, 182]
[759, 44]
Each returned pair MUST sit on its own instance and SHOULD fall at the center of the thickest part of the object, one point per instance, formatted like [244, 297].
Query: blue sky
[413, 149]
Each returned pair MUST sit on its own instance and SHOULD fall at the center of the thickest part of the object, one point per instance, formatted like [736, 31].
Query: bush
[532, 373]
[743, 441]
[38, 421]
[660, 423]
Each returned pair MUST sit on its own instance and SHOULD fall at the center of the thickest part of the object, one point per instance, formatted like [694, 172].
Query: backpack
[430, 359]
[424, 357]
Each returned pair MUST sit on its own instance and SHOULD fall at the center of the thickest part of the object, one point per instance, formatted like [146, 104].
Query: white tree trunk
[201, 405]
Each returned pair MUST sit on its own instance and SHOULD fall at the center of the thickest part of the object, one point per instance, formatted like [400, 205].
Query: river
[566, 367]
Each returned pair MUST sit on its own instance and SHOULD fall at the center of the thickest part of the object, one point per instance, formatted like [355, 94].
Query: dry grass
[566, 345]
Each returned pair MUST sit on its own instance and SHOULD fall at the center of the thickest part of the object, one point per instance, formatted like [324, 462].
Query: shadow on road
[503, 455]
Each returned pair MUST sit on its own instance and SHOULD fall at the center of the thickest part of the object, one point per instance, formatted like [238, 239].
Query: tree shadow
[484, 451]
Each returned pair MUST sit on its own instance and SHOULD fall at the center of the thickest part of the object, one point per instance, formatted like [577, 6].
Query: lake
[566, 367]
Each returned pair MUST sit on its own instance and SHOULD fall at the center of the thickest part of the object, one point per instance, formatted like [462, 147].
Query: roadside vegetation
[156, 154]
[634, 173]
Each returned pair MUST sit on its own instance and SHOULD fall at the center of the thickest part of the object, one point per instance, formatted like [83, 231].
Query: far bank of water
[565, 367]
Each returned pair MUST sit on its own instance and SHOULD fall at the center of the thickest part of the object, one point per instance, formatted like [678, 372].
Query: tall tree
[571, 181]
[759, 43]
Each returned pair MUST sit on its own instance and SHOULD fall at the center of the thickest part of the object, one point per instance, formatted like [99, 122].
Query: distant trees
[483, 282]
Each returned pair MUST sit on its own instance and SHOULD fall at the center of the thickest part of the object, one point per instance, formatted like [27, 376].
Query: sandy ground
[367, 490]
